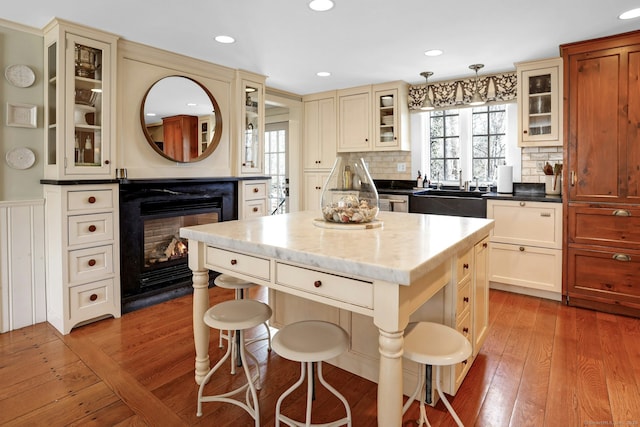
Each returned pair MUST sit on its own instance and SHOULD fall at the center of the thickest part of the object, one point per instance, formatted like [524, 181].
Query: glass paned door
[275, 165]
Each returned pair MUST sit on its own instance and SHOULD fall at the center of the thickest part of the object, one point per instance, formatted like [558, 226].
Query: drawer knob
[93, 297]
[317, 283]
[92, 262]
[523, 203]
[521, 248]
[465, 266]
[255, 190]
[464, 362]
[621, 257]
[465, 330]
[621, 212]
[92, 228]
[255, 209]
[92, 199]
[234, 261]
[106, 162]
[465, 299]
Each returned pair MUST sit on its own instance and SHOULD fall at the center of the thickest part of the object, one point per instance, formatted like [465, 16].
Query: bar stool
[308, 342]
[227, 281]
[433, 344]
[236, 315]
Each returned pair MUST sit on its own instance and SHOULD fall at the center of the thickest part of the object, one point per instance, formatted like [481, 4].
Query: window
[275, 165]
[471, 141]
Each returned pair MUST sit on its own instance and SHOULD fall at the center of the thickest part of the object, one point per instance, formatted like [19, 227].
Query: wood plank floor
[543, 364]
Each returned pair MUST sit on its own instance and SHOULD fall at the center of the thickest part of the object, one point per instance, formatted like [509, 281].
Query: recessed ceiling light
[225, 39]
[321, 5]
[191, 104]
[630, 14]
[323, 74]
[433, 52]
[151, 114]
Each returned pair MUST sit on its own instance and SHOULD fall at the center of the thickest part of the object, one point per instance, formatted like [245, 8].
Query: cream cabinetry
[480, 295]
[539, 91]
[251, 122]
[313, 185]
[374, 118]
[354, 119]
[253, 198]
[79, 111]
[526, 247]
[320, 132]
[83, 279]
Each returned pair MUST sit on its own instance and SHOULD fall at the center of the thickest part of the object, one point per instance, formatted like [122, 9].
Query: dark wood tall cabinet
[181, 137]
[602, 173]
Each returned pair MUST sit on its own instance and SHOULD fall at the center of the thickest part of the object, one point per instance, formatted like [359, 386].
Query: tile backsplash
[534, 158]
[384, 164]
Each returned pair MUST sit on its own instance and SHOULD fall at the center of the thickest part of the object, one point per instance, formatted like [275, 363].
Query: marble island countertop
[405, 248]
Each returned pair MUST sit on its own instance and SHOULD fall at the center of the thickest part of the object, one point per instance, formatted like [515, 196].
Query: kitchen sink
[449, 202]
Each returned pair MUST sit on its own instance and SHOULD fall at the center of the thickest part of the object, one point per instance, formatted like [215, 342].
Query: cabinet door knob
[317, 283]
[255, 209]
[523, 203]
[234, 261]
[255, 190]
[106, 162]
[521, 248]
[465, 266]
[621, 257]
[92, 228]
[465, 299]
[92, 200]
[465, 330]
[92, 262]
[484, 245]
[93, 297]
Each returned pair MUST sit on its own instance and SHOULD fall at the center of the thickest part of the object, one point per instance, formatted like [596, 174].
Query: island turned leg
[200, 329]
[390, 379]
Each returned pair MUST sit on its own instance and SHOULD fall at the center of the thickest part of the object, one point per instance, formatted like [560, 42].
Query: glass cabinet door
[86, 87]
[253, 128]
[387, 118]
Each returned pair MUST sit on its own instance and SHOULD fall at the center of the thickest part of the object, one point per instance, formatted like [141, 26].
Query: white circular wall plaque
[21, 158]
[20, 75]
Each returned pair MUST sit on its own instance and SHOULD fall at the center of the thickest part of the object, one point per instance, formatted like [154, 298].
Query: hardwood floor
[543, 364]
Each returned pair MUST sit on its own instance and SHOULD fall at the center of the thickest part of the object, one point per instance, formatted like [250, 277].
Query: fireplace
[153, 257]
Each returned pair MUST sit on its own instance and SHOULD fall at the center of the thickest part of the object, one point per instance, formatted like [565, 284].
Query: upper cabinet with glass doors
[540, 103]
[80, 68]
[251, 111]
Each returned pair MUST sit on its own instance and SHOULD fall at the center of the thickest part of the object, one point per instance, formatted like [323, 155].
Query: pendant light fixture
[476, 98]
[427, 105]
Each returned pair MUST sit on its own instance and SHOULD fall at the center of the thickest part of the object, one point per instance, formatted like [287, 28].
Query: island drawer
[339, 288]
[463, 266]
[240, 263]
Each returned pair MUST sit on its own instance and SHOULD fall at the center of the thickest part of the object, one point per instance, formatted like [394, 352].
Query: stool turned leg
[445, 401]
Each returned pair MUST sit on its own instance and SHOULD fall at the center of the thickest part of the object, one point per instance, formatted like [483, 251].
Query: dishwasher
[393, 202]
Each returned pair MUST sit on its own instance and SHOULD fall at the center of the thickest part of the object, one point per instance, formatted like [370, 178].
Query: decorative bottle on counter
[349, 195]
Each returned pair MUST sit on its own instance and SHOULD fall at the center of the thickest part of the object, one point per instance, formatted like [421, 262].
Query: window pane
[497, 123]
[480, 124]
[437, 148]
[451, 169]
[437, 169]
[480, 169]
[452, 146]
[480, 146]
[437, 127]
[451, 125]
[497, 146]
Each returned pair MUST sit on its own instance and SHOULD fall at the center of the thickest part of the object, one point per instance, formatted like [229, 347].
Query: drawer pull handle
[92, 262]
[255, 190]
[621, 212]
[465, 299]
[234, 261]
[93, 297]
[255, 209]
[545, 214]
[92, 228]
[92, 200]
[465, 330]
[465, 266]
[621, 257]
[521, 248]
[317, 283]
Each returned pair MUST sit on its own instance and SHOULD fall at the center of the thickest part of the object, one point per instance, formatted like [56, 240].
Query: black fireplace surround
[142, 199]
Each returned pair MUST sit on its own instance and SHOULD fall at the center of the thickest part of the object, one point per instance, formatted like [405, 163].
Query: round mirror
[181, 119]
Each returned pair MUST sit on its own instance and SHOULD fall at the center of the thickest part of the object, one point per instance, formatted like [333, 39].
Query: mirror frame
[217, 131]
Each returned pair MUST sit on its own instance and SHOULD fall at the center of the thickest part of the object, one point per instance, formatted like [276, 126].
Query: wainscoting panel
[22, 264]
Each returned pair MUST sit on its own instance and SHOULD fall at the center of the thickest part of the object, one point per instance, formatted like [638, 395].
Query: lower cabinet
[82, 262]
[525, 251]
[253, 198]
[463, 304]
[313, 185]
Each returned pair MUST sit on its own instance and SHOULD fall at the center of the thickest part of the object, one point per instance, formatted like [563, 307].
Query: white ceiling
[359, 41]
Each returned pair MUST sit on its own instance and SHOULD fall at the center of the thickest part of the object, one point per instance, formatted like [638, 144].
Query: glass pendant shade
[349, 195]
[427, 105]
[476, 98]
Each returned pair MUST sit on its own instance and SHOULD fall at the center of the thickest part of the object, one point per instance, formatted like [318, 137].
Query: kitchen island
[385, 272]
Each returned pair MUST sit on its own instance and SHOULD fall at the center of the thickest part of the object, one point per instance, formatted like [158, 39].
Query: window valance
[452, 93]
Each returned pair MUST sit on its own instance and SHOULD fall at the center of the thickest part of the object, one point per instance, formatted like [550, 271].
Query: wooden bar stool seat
[438, 345]
[310, 342]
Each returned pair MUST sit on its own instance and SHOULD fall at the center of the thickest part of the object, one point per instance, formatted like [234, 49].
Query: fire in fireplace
[154, 259]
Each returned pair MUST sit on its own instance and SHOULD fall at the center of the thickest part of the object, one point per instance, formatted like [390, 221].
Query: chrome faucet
[461, 186]
[477, 185]
[439, 183]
